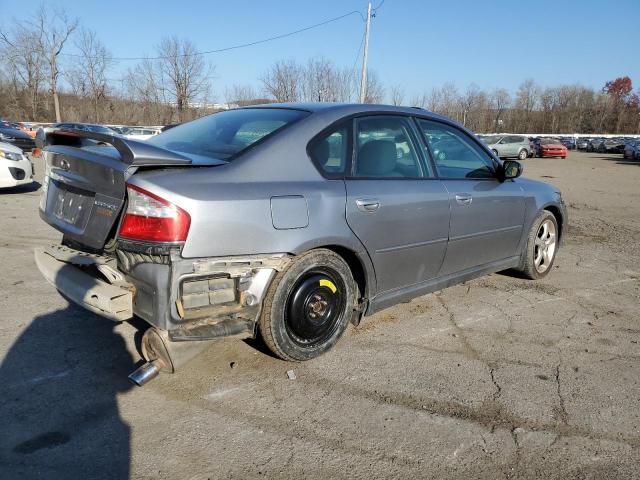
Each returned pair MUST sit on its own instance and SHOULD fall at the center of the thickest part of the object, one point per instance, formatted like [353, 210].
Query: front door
[487, 215]
[395, 206]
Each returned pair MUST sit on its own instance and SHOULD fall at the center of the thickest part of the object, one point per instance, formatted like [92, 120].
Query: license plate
[68, 206]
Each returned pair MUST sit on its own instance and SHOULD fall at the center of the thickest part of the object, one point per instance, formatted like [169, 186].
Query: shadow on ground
[620, 160]
[30, 187]
[59, 409]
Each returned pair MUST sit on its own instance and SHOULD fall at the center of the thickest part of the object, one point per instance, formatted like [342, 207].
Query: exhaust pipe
[146, 372]
[161, 355]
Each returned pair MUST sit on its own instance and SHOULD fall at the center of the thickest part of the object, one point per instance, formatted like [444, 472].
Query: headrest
[377, 158]
[322, 151]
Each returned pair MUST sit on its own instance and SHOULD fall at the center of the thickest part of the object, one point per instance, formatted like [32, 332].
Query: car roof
[350, 108]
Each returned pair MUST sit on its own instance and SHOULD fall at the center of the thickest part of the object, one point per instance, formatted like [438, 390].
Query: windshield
[226, 134]
[550, 141]
[100, 129]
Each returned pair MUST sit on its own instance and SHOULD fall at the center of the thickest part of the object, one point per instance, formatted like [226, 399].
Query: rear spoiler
[132, 152]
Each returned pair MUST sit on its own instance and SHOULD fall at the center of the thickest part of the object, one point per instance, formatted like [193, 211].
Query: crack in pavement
[562, 412]
[498, 391]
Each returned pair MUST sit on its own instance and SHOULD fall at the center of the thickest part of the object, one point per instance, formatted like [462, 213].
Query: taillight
[149, 217]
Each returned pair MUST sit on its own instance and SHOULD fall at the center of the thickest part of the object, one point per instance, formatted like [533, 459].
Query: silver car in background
[508, 146]
[285, 221]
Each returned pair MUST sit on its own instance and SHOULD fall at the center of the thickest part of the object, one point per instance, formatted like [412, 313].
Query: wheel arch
[557, 213]
[356, 265]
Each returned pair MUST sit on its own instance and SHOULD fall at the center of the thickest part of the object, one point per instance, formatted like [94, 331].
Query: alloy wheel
[545, 246]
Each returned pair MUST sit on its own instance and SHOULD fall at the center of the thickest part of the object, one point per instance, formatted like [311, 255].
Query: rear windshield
[100, 129]
[226, 134]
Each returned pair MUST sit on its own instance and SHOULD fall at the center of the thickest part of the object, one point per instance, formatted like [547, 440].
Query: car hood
[11, 132]
[7, 147]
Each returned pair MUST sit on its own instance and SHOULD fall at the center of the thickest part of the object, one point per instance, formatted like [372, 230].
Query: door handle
[368, 205]
[464, 199]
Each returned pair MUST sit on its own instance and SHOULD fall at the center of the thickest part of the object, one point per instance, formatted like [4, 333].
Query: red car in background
[551, 147]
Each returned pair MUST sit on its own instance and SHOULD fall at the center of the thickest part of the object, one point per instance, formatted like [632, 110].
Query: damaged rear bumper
[186, 299]
[62, 268]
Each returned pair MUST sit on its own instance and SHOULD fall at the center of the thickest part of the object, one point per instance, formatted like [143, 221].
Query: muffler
[162, 355]
[146, 372]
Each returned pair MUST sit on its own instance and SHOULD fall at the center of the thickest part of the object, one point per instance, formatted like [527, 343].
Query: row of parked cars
[628, 147]
[605, 145]
[522, 147]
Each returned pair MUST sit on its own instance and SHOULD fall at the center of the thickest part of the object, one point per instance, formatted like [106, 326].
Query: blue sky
[414, 44]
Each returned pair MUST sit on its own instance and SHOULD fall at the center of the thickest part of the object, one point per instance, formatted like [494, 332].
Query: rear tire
[308, 306]
[495, 152]
[523, 155]
[542, 246]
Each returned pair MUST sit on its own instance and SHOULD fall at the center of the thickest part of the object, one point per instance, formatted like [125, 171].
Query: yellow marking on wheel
[329, 284]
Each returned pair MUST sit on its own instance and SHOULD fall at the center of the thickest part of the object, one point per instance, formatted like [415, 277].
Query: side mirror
[511, 169]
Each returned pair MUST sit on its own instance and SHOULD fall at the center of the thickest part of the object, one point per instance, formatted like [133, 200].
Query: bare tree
[473, 105]
[186, 73]
[144, 85]
[324, 82]
[54, 32]
[374, 89]
[92, 68]
[24, 63]
[499, 101]
[397, 95]
[241, 95]
[283, 81]
[527, 99]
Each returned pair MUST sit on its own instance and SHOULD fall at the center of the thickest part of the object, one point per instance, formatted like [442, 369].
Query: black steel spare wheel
[314, 307]
[308, 305]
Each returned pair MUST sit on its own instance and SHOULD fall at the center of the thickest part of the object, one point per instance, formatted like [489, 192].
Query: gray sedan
[286, 221]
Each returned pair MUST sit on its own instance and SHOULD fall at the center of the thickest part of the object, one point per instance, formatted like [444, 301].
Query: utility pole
[363, 78]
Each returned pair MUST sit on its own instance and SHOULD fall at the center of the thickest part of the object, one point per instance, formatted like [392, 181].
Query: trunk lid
[84, 187]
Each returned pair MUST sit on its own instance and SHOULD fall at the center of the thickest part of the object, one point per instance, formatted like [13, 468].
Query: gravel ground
[495, 378]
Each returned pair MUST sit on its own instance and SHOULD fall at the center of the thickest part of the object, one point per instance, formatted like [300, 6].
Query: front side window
[385, 148]
[331, 151]
[226, 134]
[455, 154]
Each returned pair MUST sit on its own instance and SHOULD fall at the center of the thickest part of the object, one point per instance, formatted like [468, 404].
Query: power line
[233, 47]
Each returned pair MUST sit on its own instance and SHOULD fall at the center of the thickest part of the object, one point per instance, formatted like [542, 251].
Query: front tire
[542, 246]
[308, 306]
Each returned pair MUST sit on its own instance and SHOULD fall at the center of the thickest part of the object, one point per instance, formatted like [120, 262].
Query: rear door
[395, 205]
[511, 146]
[487, 215]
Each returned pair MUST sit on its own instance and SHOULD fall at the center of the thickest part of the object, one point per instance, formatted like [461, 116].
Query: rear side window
[331, 151]
[385, 148]
[226, 134]
[455, 154]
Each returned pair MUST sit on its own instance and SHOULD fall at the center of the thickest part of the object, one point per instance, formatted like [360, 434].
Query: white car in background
[140, 133]
[15, 167]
